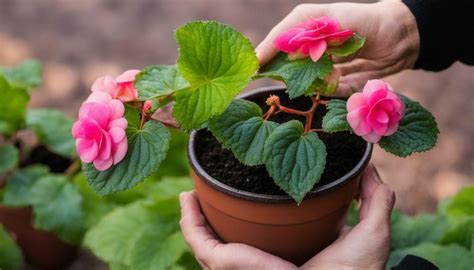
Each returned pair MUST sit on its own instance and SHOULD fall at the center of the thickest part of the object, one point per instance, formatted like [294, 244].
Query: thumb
[381, 206]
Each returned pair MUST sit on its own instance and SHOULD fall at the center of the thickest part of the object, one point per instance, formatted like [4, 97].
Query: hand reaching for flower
[392, 39]
[365, 246]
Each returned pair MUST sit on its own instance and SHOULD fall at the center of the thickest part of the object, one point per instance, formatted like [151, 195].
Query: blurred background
[77, 41]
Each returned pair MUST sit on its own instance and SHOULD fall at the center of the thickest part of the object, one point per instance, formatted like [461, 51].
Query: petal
[120, 150]
[379, 115]
[372, 137]
[282, 42]
[374, 85]
[102, 165]
[117, 134]
[391, 128]
[356, 101]
[357, 121]
[119, 122]
[77, 129]
[95, 111]
[127, 76]
[338, 38]
[376, 96]
[87, 150]
[117, 109]
[377, 127]
[331, 25]
[126, 92]
[99, 97]
[105, 146]
[317, 49]
[105, 84]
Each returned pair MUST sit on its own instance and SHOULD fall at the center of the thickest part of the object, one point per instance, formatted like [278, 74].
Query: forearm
[446, 30]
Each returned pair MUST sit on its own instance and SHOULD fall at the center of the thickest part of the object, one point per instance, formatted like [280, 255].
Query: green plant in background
[10, 254]
[445, 238]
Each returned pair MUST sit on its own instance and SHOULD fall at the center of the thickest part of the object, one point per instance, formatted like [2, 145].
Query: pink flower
[312, 38]
[100, 131]
[375, 112]
[119, 88]
[147, 105]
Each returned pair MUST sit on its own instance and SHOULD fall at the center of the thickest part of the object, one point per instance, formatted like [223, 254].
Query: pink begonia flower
[312, 38]
[100, 131]
[147, 105]
[375, 112]
[119, 88]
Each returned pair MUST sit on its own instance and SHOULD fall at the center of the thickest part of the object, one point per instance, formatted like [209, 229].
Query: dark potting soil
[41, 155]
[344, 152]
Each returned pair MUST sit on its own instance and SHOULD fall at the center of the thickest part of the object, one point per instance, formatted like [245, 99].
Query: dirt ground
[78, 41]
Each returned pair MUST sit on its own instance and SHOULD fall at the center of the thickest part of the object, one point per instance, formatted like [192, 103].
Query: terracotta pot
[42, 250]
[275, 223]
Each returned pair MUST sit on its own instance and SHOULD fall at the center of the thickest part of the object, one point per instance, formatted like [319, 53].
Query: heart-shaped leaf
[417, 132]
[335, 119]
[302, 76]
[294, 159]
[156, 81]
[242, 129]
[147, 147]
[218, 62]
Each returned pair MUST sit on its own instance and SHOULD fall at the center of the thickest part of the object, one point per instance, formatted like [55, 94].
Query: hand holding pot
[366, 246]
[390, 28]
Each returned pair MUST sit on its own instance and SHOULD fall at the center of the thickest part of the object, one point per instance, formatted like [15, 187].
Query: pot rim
[264, 198]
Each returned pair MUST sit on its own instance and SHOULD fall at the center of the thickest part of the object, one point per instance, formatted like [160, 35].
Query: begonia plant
[122, 136]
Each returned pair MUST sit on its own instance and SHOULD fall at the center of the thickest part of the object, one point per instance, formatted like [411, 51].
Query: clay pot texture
[275, 223]
[42, 250]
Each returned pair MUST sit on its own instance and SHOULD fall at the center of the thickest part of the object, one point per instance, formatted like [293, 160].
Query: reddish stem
[276, 107]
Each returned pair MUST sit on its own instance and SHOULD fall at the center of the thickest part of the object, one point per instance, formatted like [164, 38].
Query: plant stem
[73, 168]
[276, 107]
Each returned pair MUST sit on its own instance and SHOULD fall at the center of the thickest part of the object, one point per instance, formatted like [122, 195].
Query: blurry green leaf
[19, 185]
[462, 204]
[57, 207]
[147, 147]
[242, 129]
[294, 159]
[10, 254]
[26, 75]
[8, 157]
[186, 262]
[461, 232]
[452, 257]
[176, 162]
[53, 129]
[417, 131]
[335, 119]
[349, 47]
[143, 235]
[302, 76]
[156, 81]
[13, 109]
[218, 62]
[410, 231]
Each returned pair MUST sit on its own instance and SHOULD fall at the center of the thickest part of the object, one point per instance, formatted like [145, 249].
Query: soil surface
[344, 152]
[41, 155]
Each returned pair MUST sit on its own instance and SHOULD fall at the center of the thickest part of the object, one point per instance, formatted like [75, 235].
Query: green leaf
[294, 159]
[335, 119]
[26, 75]
[452, 257]
[57, 207]
[142, 235]
[146, 149]
[13, 109]
[462, 204]
[19, 186]
[156, 81]
[187, 262]
[349, 47]
[9, 155]
[242, 129]
[417, 132]
[410, 231]
[10, 254]
[218, 62]
[461, 233]
[53, 130]
[300, 76]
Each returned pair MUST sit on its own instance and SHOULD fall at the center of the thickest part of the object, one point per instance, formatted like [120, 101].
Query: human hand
[392, 42]
[211, 253]
[366, 246]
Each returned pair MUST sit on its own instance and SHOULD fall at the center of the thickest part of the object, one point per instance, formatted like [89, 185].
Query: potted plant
[39, 206]
[277, 168]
